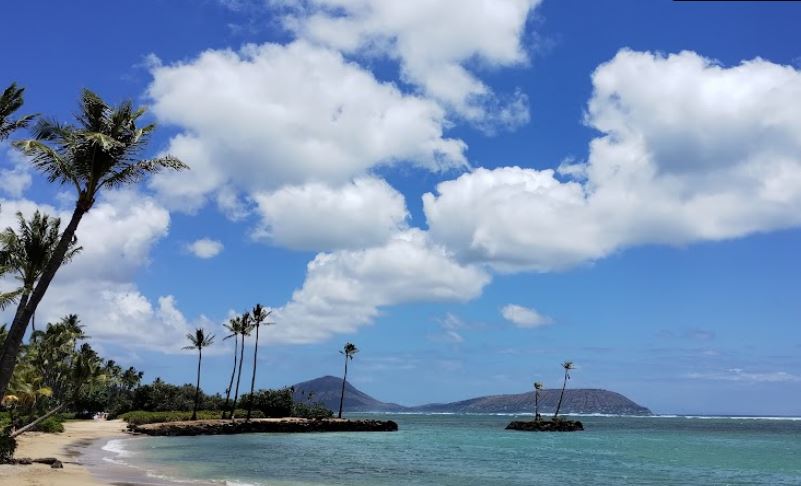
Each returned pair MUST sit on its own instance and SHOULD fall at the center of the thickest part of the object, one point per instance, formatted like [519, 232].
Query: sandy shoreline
[63, 446]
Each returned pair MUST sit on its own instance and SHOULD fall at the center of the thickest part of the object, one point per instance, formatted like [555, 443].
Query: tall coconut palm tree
[26, 251]
[11, 100]
[234, 326]
[348, 351]
[246, 329]
[100, 151]
[567, 365]
[199, 340]
[259, 316]
[537, 389]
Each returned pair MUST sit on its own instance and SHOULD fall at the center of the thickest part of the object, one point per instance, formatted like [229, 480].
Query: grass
[140, 417]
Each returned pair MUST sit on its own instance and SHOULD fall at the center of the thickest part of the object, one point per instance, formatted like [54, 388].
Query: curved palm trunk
[238, 377]
[197, 386]
[253, 377]
[561, 396]
[22, 430]
[342, 394]
[231, 382]
[26, 309]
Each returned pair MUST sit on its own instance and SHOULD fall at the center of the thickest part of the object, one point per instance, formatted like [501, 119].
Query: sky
[471, 192]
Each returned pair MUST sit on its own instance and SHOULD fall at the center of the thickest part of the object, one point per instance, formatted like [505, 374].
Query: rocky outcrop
[546, 426]
[285, 425]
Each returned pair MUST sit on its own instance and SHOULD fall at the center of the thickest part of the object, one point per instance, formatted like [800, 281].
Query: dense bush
[163, 397]
[8, 445]
[52, 424]
[271, 403]
[311, 410]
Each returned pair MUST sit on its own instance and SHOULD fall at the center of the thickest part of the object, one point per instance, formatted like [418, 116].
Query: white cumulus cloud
[346, 289]
[315, 216]
[524, 316]
[272, 114]
[117, 235]
[434, 42]
[205, 248]
[691, 151]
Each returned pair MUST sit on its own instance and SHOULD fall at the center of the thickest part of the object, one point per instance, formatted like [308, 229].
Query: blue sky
[383, 176]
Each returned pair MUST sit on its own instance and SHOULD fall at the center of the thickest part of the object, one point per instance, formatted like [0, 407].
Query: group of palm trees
[57, 369]
[242, 325]
[538, 386]
[99, 150]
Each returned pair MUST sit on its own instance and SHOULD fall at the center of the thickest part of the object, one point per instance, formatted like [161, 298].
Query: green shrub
[51, 425]
[271, 403]
[314, 410]
[141, 417]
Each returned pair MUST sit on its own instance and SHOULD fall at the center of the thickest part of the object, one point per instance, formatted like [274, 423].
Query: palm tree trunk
[253, 377]
[197, 386]
[22, 430]
[561, 395]
[342, 394]
[24, 312]
[238, 377]
[536, 405]
[233, 373]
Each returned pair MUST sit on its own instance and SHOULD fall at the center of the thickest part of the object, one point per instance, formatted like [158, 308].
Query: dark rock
[288, 425]
[546, 426]
[46, 460]
[57, 465]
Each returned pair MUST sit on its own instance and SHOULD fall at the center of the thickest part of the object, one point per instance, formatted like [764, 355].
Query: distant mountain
[576, 401]
[327, 390]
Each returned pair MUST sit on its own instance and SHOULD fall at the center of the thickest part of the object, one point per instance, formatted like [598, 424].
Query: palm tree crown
[10, 101]
[199, 339]
[27, 251]
[100, 151]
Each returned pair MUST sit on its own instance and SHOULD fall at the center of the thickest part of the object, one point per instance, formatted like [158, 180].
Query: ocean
[473, 450]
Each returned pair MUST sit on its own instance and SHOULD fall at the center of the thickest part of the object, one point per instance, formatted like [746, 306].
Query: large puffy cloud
[345, 290]
[690, 151]
[289, 114]
[433, 41]
[315, 216]
[117, 236]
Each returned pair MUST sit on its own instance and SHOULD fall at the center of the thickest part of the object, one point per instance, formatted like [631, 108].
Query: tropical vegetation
[101, 150]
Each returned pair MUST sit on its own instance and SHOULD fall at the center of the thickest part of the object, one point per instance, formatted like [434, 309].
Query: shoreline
[70, 447]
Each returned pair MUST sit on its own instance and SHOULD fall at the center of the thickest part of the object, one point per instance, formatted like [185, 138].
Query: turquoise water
[472, 450]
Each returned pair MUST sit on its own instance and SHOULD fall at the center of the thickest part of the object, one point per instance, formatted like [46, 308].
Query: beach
[65, 447]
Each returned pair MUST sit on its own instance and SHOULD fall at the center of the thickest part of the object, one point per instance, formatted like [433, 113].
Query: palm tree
[199, 340]
[567, 365]
[259, 316]
[25, 253]
[234, 326]
[10, 101]
[27, 250]
[537, 388]
[247, 328]
[348, 351]
[100, 151]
